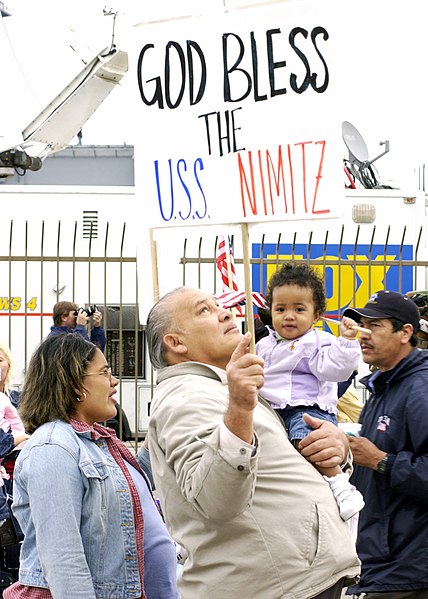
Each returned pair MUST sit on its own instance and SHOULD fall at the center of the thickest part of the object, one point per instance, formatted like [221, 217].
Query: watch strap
[384, 466]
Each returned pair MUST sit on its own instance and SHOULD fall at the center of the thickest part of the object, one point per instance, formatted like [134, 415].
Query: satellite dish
[359, 166]
[354, 142]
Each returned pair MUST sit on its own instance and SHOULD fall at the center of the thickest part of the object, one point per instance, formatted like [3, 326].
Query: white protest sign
[237, 116]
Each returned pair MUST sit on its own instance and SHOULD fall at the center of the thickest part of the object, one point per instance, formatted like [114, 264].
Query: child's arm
[11, 415]
[337, 358]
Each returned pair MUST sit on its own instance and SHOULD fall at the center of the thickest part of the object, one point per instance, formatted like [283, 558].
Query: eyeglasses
[106, 372]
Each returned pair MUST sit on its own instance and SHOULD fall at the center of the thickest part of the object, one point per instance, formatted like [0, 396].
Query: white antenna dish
[354, 142]
[358, 165]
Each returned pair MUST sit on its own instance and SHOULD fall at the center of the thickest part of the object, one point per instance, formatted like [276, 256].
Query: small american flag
[232, 299]
[226, 265]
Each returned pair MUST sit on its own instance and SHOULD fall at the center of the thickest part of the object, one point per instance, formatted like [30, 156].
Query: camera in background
[89, 311]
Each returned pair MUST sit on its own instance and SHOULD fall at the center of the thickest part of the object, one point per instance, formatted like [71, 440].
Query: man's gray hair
[159, 323]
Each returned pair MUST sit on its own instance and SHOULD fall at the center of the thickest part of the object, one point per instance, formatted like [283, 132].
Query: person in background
[90, 522]
[11, 439]
[303, 365]
[343, 386]
[9, 399]
[420, 298]
[69, 318]
[9, 418]
[6, 368]
[12, 433]
[10, 422]
[144, 460]
[349, 406]
[391, 453]
[253, 516]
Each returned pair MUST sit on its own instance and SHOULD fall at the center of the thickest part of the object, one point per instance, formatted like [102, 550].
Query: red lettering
[318, 178]
[271, 178]
[243, 179]
[303, 144]
[262, 180]
[290, 162]
[280, 173]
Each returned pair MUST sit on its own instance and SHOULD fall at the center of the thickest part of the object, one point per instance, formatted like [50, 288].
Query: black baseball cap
[387, 304]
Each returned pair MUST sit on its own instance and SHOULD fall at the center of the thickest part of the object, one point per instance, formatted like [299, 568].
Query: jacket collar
[416, 357]
[194, 368]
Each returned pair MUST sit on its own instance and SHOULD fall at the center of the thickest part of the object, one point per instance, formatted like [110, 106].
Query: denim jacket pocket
[94, 470]
[97, 475]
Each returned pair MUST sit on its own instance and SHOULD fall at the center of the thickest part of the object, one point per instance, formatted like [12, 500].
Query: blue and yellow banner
[364, 270]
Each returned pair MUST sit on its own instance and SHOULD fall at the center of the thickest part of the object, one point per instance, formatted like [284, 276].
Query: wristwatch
[381, 466]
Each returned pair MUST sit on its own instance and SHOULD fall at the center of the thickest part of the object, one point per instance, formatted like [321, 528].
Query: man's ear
[407, 331]
[174, 344]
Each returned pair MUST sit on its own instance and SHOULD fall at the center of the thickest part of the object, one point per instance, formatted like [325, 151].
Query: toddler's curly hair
[303, 276]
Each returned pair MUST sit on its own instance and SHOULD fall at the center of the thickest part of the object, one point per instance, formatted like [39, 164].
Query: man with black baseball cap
[388, 304]
[391, 453]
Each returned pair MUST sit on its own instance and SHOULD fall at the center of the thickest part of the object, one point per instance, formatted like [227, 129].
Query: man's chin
[367, 358]
[234, 338]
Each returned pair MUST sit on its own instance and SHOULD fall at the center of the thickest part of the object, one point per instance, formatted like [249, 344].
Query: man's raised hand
[245, 376]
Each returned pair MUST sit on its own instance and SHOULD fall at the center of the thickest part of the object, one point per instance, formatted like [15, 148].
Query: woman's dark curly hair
[302, 276]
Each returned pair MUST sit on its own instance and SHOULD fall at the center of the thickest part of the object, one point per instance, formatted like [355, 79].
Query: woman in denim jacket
[91, 525]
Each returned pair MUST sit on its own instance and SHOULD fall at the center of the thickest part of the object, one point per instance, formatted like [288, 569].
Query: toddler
[303, 364]
[9, 418]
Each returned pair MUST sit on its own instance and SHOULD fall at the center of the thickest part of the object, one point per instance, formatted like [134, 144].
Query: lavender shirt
[306, 370]
[160, 570]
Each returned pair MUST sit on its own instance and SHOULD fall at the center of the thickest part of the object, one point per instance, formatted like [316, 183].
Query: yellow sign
[16, 303]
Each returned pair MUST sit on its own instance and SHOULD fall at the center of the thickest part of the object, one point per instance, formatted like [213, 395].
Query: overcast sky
[384, 54]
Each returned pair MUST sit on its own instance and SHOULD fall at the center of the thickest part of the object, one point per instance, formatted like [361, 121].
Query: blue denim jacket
[81, 513]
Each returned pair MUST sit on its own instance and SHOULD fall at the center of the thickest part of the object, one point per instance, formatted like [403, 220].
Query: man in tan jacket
[254, 516]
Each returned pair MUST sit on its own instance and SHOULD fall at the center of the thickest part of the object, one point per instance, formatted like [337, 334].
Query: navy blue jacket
[98, 336]
[393, 526]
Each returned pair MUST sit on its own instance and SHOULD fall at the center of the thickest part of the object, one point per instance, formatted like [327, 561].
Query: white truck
[379, 242]
[82, 244]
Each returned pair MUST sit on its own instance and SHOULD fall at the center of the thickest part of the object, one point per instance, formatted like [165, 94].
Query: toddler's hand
[347, 328]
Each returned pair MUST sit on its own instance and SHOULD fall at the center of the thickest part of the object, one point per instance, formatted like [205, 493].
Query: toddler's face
[293, 311]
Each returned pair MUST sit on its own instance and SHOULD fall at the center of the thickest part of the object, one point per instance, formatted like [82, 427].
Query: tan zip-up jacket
[262, 526]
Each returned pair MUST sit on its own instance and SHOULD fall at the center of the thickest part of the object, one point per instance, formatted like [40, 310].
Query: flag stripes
[231, 299]
[224, 263]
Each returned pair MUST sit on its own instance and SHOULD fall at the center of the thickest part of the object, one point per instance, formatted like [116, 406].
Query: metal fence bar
[313, 261]
[365, 260]
[10, 281]
[416, 259]
[42, 237]
[20, 268]
[339, 265]
[73, 294]
[100, 271]
[137, 333]
[25, 293]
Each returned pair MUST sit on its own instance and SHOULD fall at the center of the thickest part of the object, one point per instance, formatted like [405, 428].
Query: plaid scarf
[121, 453]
